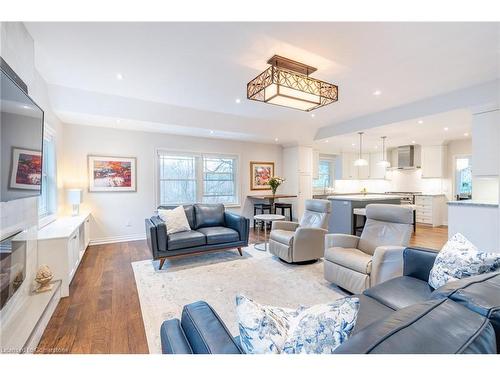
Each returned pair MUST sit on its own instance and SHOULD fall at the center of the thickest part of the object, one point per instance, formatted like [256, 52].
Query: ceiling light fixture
[377, 93]
[384, 163]
[466, 134]
[313, 115]
[211, 132]
[420, 122]
[275, 139]
[445, 129]
[119, 76]
[238, 101]
[287, 83]
[360, 162]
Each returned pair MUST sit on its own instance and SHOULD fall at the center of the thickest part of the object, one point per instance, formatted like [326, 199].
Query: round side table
[265, 218]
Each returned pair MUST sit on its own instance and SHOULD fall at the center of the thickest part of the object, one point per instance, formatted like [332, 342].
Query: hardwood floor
[102, 313]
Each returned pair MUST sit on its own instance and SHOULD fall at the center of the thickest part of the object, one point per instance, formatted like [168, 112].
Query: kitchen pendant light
[287, 83]
[360, 162]
[384, 163]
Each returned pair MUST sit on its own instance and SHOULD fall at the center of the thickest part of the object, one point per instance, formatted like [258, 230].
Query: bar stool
[262, 208]
[283, 207]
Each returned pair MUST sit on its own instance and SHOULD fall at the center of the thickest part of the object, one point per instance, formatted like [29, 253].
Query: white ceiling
[205, 67]
[432, 130]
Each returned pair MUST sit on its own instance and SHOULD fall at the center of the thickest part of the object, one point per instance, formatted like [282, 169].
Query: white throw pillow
[459, 258]
[314, 330]
[176, 220]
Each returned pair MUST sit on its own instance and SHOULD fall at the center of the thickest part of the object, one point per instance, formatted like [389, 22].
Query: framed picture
[26, 169]
[112, 174]
[260, 173]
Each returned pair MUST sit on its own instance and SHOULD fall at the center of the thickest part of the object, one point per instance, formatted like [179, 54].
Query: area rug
[217, 278]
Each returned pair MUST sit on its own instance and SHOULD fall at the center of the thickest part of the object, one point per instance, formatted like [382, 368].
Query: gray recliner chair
[304, 241]
[357, 263]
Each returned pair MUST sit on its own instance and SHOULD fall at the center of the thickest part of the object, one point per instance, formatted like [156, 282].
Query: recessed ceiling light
[353, 144]
[377, 93]
[413, 142]
[118, 121]
[211, 132]
[445, 129]
[420, 122]
[238, 101]
[466, 134]
[276, 139]
[25, 107]
[119, 76]
[326, 141]
[313, 115]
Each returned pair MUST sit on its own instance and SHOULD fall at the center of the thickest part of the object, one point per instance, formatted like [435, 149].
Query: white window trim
[238, 182]
[50, 133]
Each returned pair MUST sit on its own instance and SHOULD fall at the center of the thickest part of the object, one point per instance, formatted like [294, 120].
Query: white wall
[120, 216]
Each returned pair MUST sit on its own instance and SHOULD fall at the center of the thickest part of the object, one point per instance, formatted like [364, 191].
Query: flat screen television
[21, 139]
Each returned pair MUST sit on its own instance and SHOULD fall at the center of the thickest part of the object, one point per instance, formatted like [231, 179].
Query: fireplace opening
[12, 267]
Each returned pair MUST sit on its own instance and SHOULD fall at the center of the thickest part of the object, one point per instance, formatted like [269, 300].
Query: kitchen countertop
[472, 202]
[363, 197]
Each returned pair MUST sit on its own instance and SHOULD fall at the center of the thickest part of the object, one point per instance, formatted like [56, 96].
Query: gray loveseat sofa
[212, 228]
[402, 315]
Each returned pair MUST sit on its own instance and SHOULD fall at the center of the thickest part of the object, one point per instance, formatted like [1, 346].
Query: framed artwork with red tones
[26, 170]
[260, 173]
[112, 174]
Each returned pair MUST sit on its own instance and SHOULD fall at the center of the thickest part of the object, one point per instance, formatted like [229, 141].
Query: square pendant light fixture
[287, 83]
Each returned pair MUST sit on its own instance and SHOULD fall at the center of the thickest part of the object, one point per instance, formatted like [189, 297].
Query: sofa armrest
[418, 262]
[156, 235]
[173, 339]
[387, 263]
[285, 225]
[239, 223]
[341, 240]
[205, 331]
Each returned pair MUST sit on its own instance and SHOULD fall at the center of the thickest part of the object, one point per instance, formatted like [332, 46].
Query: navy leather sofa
[212, 228]
[402, 315]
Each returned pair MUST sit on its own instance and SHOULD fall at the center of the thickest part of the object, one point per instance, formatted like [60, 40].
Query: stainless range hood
[408, 157]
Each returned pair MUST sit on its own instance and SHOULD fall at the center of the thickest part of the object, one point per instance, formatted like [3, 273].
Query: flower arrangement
[274, 182]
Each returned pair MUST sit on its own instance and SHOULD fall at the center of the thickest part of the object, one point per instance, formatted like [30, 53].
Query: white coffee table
[265, 218]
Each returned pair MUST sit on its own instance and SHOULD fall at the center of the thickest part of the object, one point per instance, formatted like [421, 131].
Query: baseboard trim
[114, 239]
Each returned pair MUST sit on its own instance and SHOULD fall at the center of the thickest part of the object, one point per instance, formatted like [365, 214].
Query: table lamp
[75, 198]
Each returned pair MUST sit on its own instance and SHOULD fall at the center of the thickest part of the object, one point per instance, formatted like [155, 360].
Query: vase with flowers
[274, 183]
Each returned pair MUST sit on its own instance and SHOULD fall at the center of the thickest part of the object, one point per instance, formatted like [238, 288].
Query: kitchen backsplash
[398, 180]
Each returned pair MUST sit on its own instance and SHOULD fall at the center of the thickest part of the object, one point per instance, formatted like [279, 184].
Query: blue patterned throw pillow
[314, 330]
[459, 258]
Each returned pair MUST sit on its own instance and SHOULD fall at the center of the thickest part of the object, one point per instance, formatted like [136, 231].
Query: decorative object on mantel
[260, 173]
[287, 83]
[274, 182]
[112, 174]
[75, 198]
[360, 162]
[43, 278]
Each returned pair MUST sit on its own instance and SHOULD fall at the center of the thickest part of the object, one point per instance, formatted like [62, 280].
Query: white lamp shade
[75, 196]
[360, 163]
[384, 163]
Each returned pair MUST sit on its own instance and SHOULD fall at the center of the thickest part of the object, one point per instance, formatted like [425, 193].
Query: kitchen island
[342, 219]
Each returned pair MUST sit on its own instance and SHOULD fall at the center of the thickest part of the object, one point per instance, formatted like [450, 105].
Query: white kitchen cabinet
[433, 161]
[62, 245]
[376, 171]
[486, 144]
[431, 209]
[315, 164]
[344, 166]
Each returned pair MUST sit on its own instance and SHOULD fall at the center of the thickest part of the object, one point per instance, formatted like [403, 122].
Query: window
[47, 203]
[324, 179]
[190, 178]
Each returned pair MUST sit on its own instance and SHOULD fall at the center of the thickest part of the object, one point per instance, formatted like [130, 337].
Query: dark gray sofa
[402, 315]
[212, 228]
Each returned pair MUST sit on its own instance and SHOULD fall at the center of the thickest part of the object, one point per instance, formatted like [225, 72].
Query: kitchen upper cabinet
[486, 144]
[364, 171]
[315, 164]
[376, 171]
[433, 161]
[344, 166]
